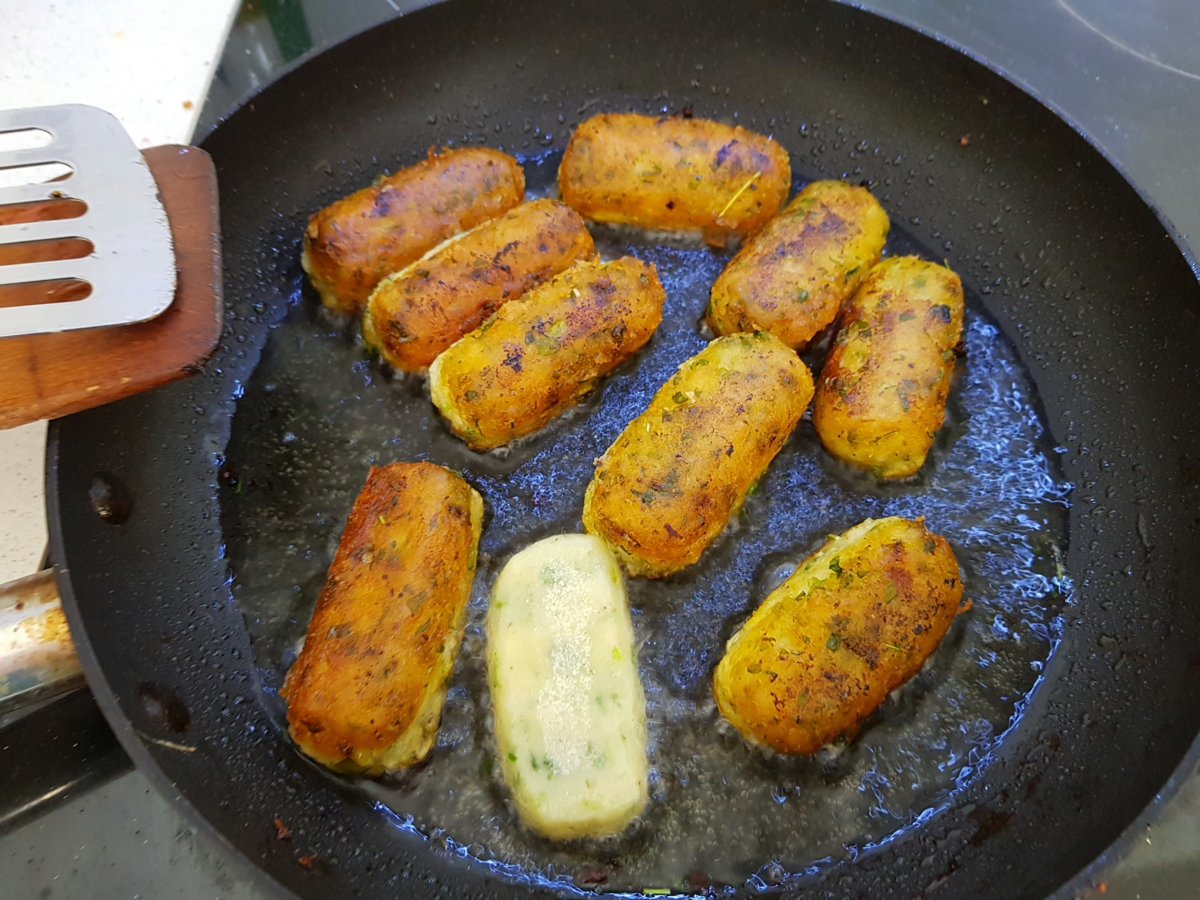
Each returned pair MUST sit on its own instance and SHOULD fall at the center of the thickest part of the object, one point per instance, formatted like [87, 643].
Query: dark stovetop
[1127, 74]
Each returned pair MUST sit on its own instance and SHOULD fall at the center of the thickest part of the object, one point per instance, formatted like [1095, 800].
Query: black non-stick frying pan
[230, 484]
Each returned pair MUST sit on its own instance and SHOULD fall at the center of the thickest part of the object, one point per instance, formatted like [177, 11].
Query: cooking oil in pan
[317, 414]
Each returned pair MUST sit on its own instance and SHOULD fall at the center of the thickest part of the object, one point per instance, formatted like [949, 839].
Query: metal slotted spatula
[110, 263]
[91, 248]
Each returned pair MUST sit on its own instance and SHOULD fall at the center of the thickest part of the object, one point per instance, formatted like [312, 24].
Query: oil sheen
[318, 412]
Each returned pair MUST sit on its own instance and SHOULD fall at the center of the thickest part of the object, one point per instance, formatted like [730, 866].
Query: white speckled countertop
[147, 62]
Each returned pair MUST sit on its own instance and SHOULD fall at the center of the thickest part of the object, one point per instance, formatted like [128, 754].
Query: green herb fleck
[648, 497]
[656, 892]
[803, 207]
[833, 643]
[512, 757]
[835, 565]
[617, 653]
[382, 519]
[890, 596]
[654, 169]
[802, 297]
[907, 316]
[471, 396]
[679, 397]
[850, 273]
[893, 647]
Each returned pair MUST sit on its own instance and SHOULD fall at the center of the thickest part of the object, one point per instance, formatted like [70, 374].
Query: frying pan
[1064, 256]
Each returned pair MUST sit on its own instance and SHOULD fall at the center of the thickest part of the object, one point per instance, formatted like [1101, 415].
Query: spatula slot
[44, 251]
[41, 211]
[38, 173]
[24, 139]
[37, 293]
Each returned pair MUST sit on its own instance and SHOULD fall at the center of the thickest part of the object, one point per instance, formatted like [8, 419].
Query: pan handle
[37, 657]
[53, 737]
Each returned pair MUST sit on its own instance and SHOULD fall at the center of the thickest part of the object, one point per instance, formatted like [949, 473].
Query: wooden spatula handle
[50, 375]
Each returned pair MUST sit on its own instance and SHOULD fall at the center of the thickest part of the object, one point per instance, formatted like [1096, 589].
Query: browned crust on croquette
[419, 312]
[881, 397]
[543, 353]
[855, 621]
[353, 244]
[669, 484]
[389, 621]
[695, 176]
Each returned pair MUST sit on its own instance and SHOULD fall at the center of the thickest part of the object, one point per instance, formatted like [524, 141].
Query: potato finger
[792, 277]
[670, 483]
[541, 354]
[353, 244]
[415, 314]
[881, 397]
[366, 693]
[691, 176]
[569, 709]
[856, 620]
